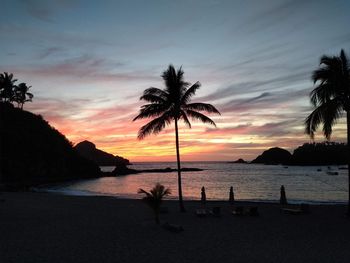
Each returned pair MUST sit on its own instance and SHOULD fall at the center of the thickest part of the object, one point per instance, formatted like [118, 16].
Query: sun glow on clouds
[254, 63]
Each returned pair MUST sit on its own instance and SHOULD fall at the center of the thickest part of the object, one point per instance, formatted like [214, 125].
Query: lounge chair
[253, 211]
[201, 212]
[242, 211]
[173, 228]
[216, 211]
[238, 211]
[303, 209]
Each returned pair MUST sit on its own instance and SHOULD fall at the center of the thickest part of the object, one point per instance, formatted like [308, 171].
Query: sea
[250, 182]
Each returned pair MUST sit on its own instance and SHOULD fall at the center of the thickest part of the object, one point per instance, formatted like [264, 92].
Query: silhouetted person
[203, 196]
[283, 198]
[232, 196]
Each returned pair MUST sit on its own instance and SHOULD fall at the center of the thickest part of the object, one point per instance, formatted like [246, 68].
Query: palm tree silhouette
[172, 104]
[21, 94]
[330, 98]
[7, 85]
[154, 198]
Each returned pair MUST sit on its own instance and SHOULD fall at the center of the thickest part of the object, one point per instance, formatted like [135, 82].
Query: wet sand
[41, 227]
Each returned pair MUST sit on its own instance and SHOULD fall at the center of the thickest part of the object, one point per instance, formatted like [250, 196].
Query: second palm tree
[172, 104]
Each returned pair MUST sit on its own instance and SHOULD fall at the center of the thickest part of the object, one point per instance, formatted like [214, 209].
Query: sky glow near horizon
[88, 63]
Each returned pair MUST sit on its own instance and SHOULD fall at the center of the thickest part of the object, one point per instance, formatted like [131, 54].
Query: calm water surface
[250, 182]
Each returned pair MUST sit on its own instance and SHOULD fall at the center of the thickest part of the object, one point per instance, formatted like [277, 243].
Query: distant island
[327, 153]
[274, 156]
[89, 151]
[124, 170]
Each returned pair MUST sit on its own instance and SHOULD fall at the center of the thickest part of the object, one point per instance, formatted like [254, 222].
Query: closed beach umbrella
[283, 198]
[232, 196]
[203, 196]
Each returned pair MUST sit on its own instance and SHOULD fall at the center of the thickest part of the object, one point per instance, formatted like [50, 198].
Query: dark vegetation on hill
[33, 152]
[326, 153]
[320, 154]
[89, 151]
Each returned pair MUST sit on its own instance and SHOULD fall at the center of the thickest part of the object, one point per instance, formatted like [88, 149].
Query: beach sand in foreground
[41, 227]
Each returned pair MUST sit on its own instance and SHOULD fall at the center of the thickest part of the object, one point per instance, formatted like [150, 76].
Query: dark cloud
[85, 67]
[254, 86]
[270, 129]
[266, 100]
[50, 51]
[273, 16]
[44, 10]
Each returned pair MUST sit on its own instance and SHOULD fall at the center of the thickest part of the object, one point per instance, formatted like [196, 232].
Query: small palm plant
[154, 198]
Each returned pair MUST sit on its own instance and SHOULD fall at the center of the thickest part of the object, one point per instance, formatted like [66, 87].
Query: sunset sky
[88, 63]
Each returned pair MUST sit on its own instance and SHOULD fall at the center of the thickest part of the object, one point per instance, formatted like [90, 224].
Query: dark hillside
[34, 152]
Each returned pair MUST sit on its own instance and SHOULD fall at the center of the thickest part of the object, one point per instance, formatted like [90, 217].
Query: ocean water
[251, 182]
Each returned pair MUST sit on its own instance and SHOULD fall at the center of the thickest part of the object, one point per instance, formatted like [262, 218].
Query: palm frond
[174, 83]
[30, 95]
[202, 107]
[190, 92]
[152, 98]
[199, 116]
[141, 191]
[170, 78]
[327, 113]
[155, 92]
[184, 117]
[322, 93]
[155, 126]
[155, 196]
[151, 110]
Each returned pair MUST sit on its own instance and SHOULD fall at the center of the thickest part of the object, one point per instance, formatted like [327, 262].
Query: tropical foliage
[330, 98]
[12, 93]
[172, 104]
[154, 198]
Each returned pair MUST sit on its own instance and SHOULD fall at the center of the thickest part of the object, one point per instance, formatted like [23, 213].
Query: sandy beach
[41, 227]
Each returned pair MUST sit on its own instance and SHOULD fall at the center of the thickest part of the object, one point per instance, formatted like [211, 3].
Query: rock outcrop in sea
[89, 151]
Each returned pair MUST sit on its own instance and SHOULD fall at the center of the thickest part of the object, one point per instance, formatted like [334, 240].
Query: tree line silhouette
[12, 93]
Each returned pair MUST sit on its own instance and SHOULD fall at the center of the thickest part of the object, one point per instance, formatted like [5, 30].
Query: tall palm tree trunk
[182, 208]
[348, 146]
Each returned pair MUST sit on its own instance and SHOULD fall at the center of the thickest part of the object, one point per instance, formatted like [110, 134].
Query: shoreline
[174, 198]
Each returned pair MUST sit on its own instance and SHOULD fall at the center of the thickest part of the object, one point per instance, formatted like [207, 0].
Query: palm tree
[330, 98]
[7, 85]
[21, 94]
[154, 198]
[172, 104]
